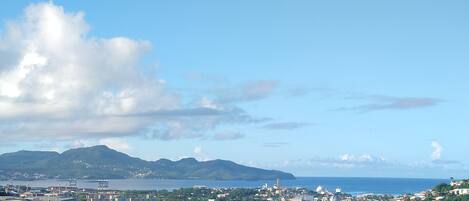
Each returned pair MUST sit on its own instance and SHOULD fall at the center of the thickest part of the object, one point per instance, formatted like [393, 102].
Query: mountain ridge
[101, 162]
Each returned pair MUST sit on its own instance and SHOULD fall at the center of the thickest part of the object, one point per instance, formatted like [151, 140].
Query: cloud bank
[380, 102]
[396, 103]
[366, 165]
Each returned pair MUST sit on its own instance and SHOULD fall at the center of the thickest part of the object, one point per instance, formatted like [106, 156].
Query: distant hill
[101, 162]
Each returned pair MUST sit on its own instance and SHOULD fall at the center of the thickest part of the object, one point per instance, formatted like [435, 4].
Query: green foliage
[457, 198]
[442, 189]
[429, 197]
[195, 194]
[465, 184]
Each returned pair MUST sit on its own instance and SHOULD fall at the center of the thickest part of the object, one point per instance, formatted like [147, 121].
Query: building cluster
[264, 193]
[60, 193]
[460, 187]
[199, 193]
[276, 192]
[25, 193]
[454, 189]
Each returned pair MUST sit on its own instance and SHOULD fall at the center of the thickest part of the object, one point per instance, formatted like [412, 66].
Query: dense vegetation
[100, 162]
[195, 194]
[444, 189]
[457, 198]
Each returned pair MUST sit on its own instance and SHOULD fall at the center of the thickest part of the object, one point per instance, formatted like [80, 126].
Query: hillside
[101, 162]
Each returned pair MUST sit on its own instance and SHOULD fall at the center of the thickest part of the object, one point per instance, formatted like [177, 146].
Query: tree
[442, 189]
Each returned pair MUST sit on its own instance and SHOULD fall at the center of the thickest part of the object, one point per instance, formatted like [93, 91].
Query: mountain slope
[23, 159]
[100, 162]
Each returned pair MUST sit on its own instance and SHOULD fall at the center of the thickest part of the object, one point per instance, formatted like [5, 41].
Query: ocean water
[352, 185]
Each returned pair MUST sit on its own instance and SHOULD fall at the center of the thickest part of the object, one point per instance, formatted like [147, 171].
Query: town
[454, 191]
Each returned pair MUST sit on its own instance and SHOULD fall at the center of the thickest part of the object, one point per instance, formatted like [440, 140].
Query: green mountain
[101, 162]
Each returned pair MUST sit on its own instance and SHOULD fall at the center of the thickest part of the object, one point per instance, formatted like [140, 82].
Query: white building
[460, 191]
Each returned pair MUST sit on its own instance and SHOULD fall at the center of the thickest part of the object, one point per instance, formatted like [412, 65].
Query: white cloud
[197, 150]
[360, 158]
[116, 143]
[200, 154]
[366, 157]
[366, 165]
[66, 77]
[57, 82]
[437, 149]
[207, 103]
[346, 157]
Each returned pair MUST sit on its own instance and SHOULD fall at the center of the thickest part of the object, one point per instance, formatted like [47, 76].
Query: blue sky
[317, 88]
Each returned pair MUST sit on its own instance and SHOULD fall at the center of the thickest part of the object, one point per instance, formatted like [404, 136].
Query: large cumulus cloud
[58, 82]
